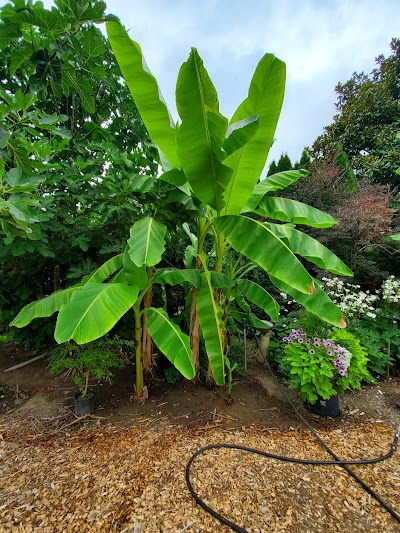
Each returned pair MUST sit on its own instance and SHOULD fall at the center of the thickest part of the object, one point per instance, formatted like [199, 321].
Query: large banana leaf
[141, 184]
[193, 276]
[170, 340]
[220, 281]
[264, 100]
[93, 311]
[287, 210]
[259, 296]
[147, 242]
[275, 182]
[107, 269]
[176, 277]
[133, 275]
[210, 318]
[257, 242]
[193, 238]
[191, 249]
[178, 196]
[202, 133]
[237, 295]
[145, 91]
[309, 248]
[45, 307]
[120, 278]
[190, 256]
[174, 176]
[317, 303]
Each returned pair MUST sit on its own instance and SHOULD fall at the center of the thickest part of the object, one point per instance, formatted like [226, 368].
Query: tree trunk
[209, 377]
[194, 329]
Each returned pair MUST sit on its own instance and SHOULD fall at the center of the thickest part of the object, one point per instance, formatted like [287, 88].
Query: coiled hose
[337, 461]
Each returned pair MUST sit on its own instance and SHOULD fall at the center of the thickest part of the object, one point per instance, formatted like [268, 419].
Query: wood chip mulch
[92, 477]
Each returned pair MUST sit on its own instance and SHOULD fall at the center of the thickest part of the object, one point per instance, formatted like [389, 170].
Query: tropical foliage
[165, 229]
[214, 167]
[67, 175]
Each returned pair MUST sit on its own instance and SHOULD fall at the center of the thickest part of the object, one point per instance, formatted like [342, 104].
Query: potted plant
[321, 366]
[81, 363]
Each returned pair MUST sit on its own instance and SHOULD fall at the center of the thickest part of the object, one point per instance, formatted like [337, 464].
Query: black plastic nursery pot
[84, 406]
[325, 408]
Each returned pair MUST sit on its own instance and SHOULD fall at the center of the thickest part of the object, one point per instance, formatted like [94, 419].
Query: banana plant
[90, 309]
[219, 162]
[214, 165]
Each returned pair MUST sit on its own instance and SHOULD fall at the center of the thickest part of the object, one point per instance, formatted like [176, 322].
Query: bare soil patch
[123, 469]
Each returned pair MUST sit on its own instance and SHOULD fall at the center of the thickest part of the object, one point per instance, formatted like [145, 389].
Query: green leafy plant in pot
[320, 367]
[81, 363]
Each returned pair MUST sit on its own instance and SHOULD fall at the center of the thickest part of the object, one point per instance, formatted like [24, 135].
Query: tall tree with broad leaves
[73, 149]
[367, 125]
[216, 164]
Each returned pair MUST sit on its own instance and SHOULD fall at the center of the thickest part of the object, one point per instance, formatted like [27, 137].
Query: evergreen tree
[273, 169]
[284, 163]
[305, 160]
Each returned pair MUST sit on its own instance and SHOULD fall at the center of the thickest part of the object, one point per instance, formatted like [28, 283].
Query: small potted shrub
[322, 366]
[81, 363]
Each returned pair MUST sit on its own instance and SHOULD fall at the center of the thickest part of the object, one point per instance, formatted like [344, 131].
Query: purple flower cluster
[340, 356]
[342, 361]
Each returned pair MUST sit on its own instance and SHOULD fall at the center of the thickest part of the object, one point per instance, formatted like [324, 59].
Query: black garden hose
[337, 461]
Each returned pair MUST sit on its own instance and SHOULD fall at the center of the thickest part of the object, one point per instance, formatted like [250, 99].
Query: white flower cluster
[350, 299]
[391, 290]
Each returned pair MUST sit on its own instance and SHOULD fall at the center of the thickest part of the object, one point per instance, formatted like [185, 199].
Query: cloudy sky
[321, 41]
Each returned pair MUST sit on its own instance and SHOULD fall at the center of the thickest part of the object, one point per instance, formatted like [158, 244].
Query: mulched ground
[90, 477]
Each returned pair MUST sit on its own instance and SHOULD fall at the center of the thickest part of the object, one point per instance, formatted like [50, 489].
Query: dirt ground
[123, 469]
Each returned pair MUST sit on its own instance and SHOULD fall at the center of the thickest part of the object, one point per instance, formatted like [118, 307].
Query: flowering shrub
[372, 318]
[350, 299]
[391, 291]
[381, 338]
[319, 366]
[357, 371]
